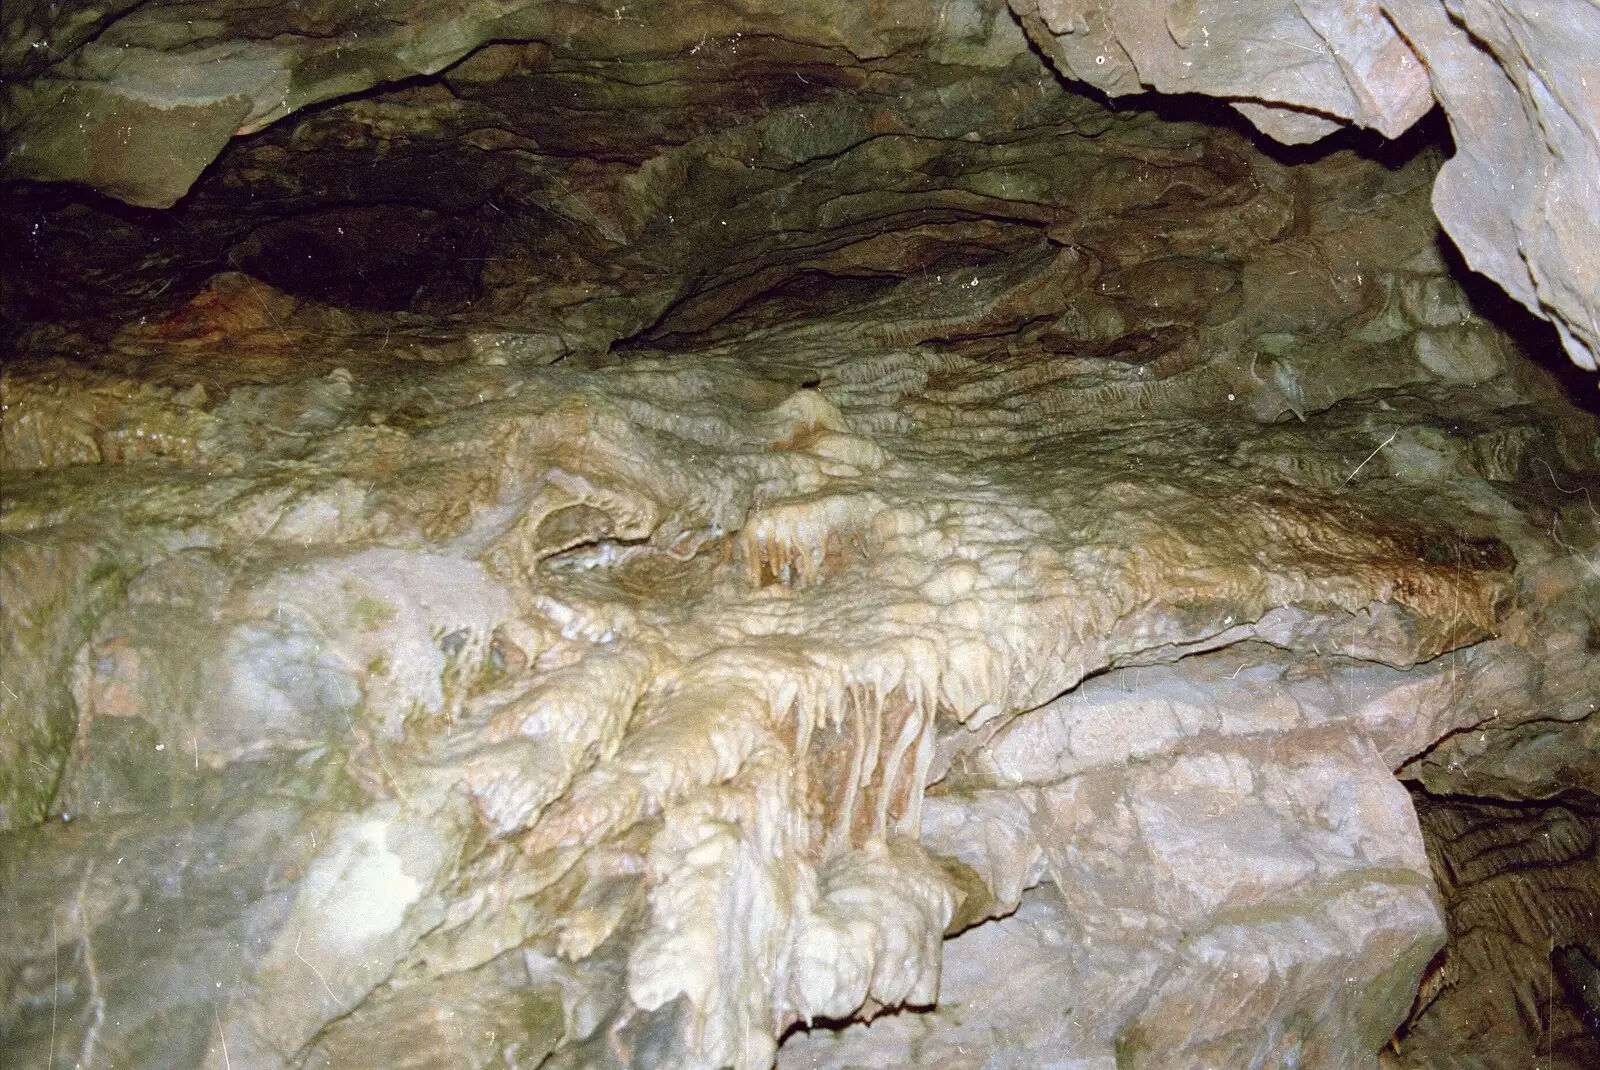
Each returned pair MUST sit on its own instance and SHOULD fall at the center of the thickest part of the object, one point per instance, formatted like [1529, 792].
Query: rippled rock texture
[136, 99]
[816, 557]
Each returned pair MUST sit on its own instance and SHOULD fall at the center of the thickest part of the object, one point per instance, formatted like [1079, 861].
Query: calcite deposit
[749, 537]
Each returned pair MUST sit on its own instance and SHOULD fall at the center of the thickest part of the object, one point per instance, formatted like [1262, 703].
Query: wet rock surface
[874, 560]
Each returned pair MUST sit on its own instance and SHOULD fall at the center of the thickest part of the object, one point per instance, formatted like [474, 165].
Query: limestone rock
[1294, 70]
[875, 560]
[1507, 960]
[136, 101]
[1522, 195]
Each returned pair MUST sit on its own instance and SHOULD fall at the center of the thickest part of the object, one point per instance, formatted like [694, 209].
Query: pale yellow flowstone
[689, 700]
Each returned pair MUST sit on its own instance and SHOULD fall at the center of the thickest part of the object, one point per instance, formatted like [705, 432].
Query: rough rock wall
[1523, 949]
[1016, 509]
[137, 99]
[1519, 81]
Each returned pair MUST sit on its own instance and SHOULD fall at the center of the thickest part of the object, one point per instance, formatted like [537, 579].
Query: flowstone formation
[797, 555]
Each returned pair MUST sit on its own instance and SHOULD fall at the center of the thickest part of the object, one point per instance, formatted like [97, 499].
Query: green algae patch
[56, 591]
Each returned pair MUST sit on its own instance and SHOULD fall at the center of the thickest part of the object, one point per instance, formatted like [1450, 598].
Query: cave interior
[774, 534]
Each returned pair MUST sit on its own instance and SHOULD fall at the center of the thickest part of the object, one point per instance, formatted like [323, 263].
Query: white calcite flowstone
[762, 776]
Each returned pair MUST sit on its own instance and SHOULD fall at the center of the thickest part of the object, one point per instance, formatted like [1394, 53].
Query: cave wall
[137, 100]
[820, 551]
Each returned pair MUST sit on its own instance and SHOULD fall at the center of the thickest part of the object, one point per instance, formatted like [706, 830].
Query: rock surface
[1520, 195]
[905, 566]
[136, 100]
[1516, 882]
[1297, 71]
[1521, 198]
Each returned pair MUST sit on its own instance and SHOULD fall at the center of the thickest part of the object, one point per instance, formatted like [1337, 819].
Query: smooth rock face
[1520, 195]
[1294, 70]
[808, 553]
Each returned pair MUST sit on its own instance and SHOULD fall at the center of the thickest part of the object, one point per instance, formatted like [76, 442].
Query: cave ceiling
[136, 99]
[800, 534]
